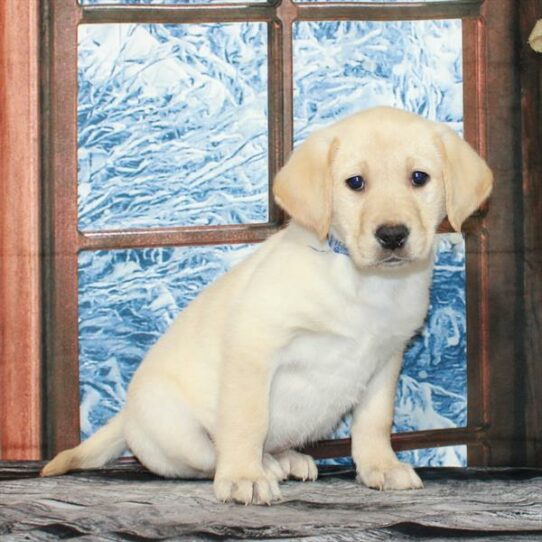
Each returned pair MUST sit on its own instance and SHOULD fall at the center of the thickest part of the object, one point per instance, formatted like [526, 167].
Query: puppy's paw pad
[395, 476]
[247, 491]
[298, 465]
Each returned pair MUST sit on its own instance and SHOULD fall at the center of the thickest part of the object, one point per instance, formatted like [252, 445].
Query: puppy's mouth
[393, 261]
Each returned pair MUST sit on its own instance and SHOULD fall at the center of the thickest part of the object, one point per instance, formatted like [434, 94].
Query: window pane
[172, 125]
[127, 299]
[341, 67]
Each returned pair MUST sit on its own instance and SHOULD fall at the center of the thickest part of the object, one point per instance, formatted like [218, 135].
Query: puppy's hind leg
[163, 433]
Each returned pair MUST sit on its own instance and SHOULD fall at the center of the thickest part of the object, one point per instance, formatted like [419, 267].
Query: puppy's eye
[357, 183]
[419, 178]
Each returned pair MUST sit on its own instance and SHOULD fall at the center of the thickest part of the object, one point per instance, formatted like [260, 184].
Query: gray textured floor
[125, 504]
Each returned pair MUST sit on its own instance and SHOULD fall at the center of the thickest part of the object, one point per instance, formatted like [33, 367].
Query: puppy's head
[382, 181]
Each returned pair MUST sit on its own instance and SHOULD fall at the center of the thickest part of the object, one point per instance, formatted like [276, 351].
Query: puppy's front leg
[376, 462]
[242, 429]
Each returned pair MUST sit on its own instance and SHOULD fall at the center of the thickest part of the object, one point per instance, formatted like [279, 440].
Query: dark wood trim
[375, 11]
[504, 222]
[179, 236]
[474, 101]
[284, 93]
[20, 305]
[61, 401]
[531, 137]
[181, 13]
[313, 11]
[412, 440]
[478, 363]
[275, 103]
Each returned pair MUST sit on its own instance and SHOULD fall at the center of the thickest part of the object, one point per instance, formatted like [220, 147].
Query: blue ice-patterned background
[172, 125]
[343, 66]
[173, 131]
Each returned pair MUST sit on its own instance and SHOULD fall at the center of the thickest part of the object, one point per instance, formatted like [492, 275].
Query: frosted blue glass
[172, 125]
[341, 67]
[449, 456]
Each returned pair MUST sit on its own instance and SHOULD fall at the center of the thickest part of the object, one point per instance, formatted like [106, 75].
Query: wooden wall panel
[514, 223]
[531, 105]
[504, 222]
[20, 397]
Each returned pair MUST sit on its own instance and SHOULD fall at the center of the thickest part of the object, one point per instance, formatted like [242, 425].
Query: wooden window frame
[502, 428]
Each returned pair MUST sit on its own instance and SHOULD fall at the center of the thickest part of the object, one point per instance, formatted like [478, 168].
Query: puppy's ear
[467, 178]
[303, 187]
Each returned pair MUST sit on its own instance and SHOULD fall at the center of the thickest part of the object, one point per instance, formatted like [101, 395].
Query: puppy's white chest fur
[320, 375]
[319, 378]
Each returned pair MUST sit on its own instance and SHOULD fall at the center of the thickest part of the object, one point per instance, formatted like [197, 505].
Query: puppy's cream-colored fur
[272, 354]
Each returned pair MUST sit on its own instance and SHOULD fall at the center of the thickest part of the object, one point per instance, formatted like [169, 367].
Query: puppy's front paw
[393, 476]
[259, 489]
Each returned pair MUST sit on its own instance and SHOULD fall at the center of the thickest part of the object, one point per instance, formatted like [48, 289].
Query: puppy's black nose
[392, 236]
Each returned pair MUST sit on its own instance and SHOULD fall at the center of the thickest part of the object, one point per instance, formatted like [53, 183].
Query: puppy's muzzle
[392, 236]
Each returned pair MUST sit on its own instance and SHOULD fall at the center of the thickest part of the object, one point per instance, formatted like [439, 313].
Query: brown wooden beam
[310, 11]
[180, 236]
[531, 137]
[379, 11]
[61, 401]
[504, 224]
[20, 318]
[411, 440]
[175, 14]
[475, 119]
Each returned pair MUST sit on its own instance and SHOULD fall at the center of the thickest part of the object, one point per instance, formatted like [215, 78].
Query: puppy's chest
[326, 363]
[350, 338]
[319, 377]
[322, 372]
[329, 362]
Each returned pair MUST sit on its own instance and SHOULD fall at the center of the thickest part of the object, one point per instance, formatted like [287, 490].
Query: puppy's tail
[106, 444]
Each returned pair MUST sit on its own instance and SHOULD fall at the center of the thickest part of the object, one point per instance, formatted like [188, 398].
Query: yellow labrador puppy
[311, 325]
